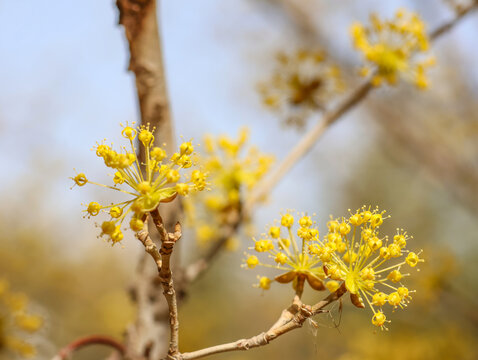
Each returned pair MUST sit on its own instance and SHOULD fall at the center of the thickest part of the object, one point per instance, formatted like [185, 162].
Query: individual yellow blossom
[379, 319]
[146, 183]
[80, 179]
[234, 168]
[302, 83]
[413, 259]
[287, 220]
[379, 299]
[394, 48]
[116, 212]
[403, 292]
[264, 283]
[332, 285]
[288, 254]
[274, 232]
[280, 258]
[252, 261]
[17, 325]
[136, 224]
[182, 189]
[370, 265]
[394, 299]
[93, 208]
[263, 245]
[395, 276]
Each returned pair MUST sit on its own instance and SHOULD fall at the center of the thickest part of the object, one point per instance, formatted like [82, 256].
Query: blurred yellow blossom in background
[17, 324]
[302, 83]
[233, 168]
[392, 48]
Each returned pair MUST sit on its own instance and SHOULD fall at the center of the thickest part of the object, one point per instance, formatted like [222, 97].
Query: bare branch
[439, 31]
[168, 240]
[281, 327]
[306, 142]
[78, 344]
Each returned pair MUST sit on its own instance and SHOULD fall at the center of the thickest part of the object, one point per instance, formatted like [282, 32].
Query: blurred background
[64, 86]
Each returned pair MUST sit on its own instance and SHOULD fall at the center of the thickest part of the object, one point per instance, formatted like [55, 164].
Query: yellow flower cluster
[16, 323]
[391, 48]
[148, 182]
[234, 168]
[302, 83]
[370, 265]
[352, 253]
[289, 254]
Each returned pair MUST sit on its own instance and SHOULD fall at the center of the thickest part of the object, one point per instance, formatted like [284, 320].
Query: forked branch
[162, 258]
[291, 318]
[168, 240]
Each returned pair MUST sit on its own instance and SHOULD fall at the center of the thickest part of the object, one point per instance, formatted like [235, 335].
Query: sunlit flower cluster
[233, 169]
[17, 325]
[372, 266]
[302, 83]
[394, 48]
[147, 182]
[285, 248]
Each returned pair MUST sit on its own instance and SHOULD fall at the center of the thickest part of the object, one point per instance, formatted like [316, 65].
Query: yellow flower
[252, 261]
[234, 168]
[302, 83]
[289, 255]
[146, 183]
[264, 283]
[365, 261]
[392, 47]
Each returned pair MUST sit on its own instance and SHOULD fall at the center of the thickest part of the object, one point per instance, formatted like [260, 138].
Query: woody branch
[290, 319]
[168, 240]
[162, 259]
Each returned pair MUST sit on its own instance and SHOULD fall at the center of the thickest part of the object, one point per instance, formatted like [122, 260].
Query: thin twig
[450, 24]
[80, 343]
[168, 240]
[306, 142]
[310, 138]
[304, 312]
